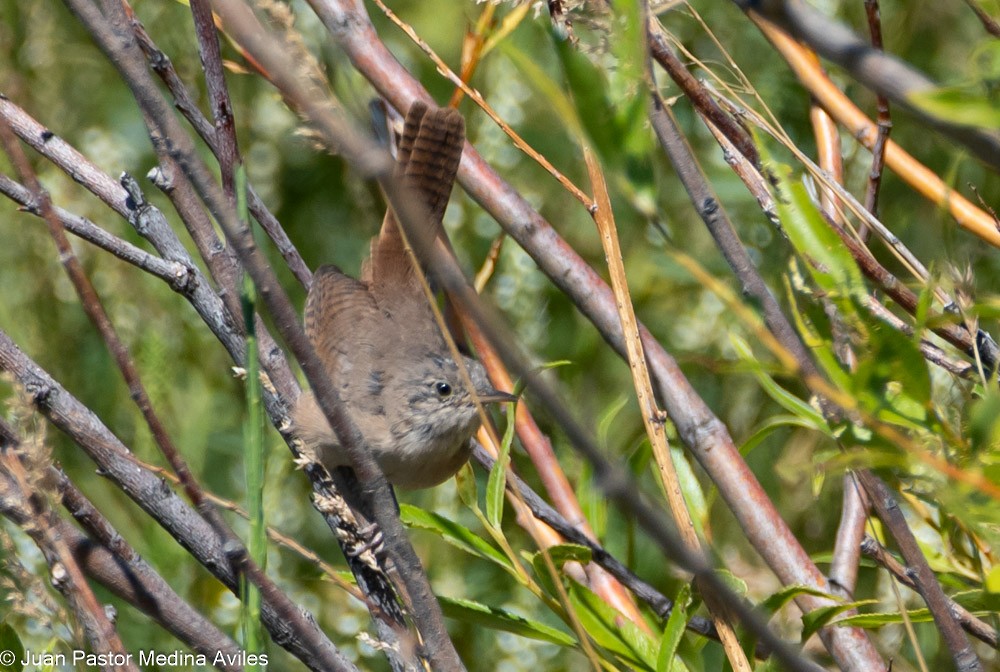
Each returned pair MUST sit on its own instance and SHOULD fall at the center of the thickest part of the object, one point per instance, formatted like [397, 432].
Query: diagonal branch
[110, 559]
[299, 636]
[882, 73]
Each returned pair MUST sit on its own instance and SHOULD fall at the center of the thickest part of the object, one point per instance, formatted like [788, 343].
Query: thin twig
[847, 544]
[162, 66]
[616, 484]
[183, 523]
[113, 562]
[989, 23]
[699, 97]
[120, 46]
[95, 311]
[924, 580]
[176, 274]
[22, 498]
[878, 71]
[884, 122]
[973, 625]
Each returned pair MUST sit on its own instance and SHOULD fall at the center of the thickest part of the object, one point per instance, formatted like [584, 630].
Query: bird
[379, 342]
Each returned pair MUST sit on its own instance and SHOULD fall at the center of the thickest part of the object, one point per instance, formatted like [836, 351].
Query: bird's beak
[495, 397]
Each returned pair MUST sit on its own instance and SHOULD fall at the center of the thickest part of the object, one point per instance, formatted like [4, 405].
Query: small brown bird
[380, 344]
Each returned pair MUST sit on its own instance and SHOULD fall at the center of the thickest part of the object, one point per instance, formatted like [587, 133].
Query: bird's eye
[443, 389]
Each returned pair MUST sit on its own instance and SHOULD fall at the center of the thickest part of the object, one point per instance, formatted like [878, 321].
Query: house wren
[378, 339]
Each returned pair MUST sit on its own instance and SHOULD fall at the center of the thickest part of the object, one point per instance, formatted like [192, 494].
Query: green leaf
[769, 426]
[673, 631]
[589, 87]
[923, 309]
[775, 602]
[827, 260]
[984, 422]
[733, 582]
[877, 620]
[496, 618]
[592, 501]
[983, 601]
[624, 80]
[612, 632]
[452, 532]
[958, 105]
[691, 490]
[821, 346]
[465, 480]
[818, 618]
[891, 379]
[560, 555]
[563, 553]
[561, 104]
[498, 474]
[607, 417]
[253, 439]
[809, 415]
[10, 642]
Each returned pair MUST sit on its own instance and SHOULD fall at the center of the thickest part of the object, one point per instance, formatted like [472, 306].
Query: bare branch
[117, 566]
[22, 499]
[925, 582]
[176, 274]
[177, 518]
[974, 626]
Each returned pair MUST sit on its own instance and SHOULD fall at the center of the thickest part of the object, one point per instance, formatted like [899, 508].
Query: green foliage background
[49, 66]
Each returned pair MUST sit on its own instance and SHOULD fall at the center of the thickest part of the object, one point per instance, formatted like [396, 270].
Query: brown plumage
[378, 339]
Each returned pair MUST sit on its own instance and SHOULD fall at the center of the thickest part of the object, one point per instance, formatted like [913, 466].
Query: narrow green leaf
[786, 399]
[923, 310]
[563, 553]
[891, 378]
[818, 618]
[496, 618]
[454, 533]
[820, 346]
[253, 439]
[775, 602]
[877, 620]
[560, 554]
[673, 631]
[465, 480]
[610, 631]
[733, 582]
[691, 490]
[560, 102]
[592, 501]
[632, 101]
[498, 474]
[959, 105]
[589, 87]
[827, 260]
[992, 584]
[980, 600]
[769, 426]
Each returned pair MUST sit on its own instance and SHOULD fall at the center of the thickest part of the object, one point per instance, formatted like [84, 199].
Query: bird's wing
[430, 150]
[341, 321]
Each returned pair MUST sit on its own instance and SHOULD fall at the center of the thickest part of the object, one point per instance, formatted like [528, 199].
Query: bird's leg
[368, 530]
